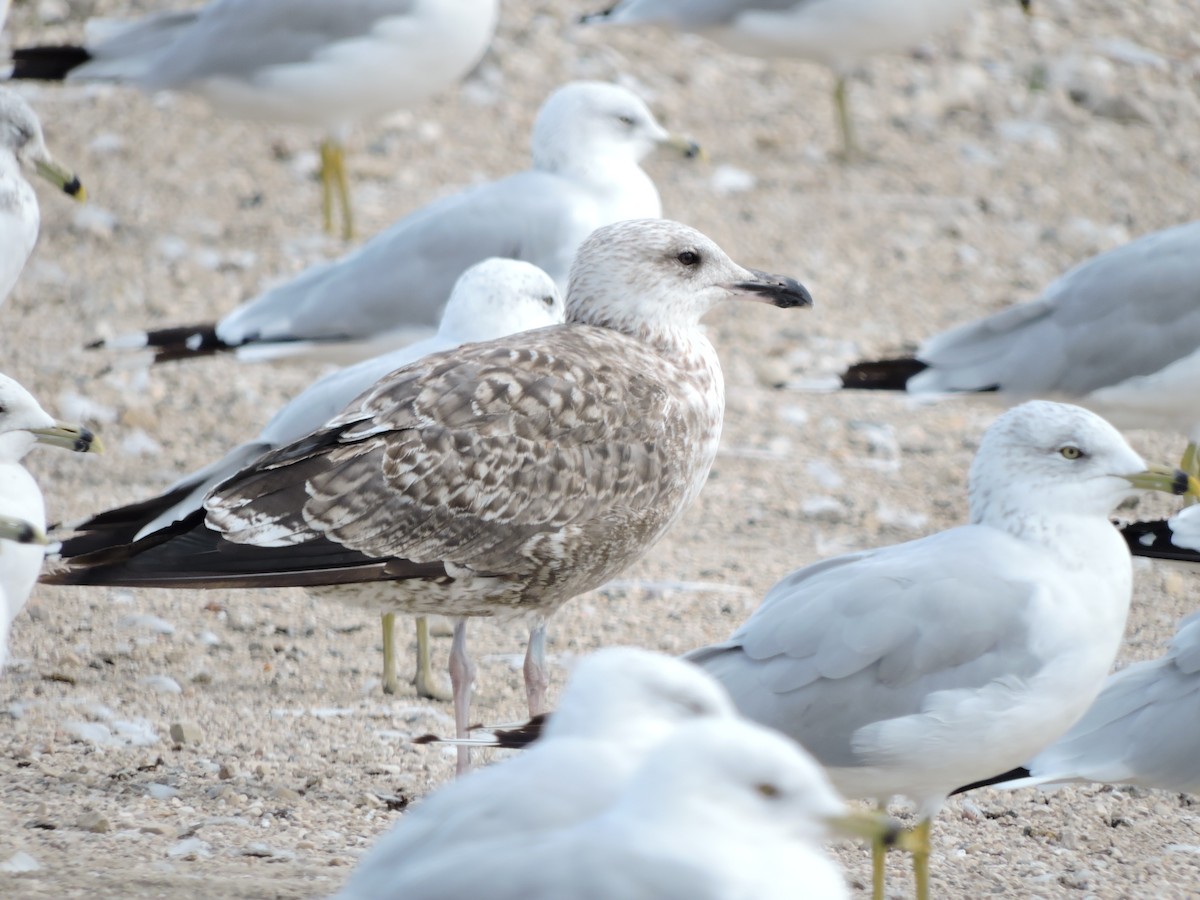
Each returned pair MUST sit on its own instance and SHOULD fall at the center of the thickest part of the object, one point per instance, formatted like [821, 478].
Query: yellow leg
[423, 678]
[342, 182]
[920, 855]
[878, 863]
[1191, 464]
[328, 152]
[849, 145]
[390, 685]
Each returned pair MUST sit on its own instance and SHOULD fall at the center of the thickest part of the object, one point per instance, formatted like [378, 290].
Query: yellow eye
[767, 790]
[1070, 452]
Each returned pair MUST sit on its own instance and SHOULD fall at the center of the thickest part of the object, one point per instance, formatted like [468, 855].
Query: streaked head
[498, 297]
[652, 277]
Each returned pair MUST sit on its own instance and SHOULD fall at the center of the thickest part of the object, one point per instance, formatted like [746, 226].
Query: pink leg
[536, 679]
[462, 677]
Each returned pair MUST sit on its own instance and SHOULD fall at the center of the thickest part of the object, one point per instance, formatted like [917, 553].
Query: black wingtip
[882, 374]
[1010, 775]
[1155, 540]
[47, 63]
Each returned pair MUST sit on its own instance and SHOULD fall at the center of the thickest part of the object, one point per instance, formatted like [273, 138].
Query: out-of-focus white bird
[304, 62]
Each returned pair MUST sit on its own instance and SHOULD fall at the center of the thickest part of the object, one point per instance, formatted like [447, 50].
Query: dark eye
[767, 789]
[549, 301]
[628, 121]
[1070, 451]
[689, 258]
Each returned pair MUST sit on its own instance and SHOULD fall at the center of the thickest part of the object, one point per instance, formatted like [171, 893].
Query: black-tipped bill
[69, 437]
[20, 531]
[1167, 480]
[778, 290]
[63, 179]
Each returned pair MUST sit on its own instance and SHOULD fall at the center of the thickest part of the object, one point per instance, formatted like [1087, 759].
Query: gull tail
[1003, 779]
[882, 375]
[518, 737]
[47, 63]
[1153, 540]
[170, 344]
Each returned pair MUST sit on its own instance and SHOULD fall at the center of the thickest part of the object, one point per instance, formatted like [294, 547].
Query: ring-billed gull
[1143, 729]
[24, 423]
[587, 142]
[618, 705]
[917, 668]
[23, 147]
[1119, 333]
[722, 808]
[491, 299]
[839, 34]
[497, 479]
[303, 62]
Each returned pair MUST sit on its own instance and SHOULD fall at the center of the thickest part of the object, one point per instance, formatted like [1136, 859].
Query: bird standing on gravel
[914, 669]
[301, 62]
[497, 479]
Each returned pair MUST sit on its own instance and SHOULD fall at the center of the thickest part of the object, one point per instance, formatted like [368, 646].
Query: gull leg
[920, 855]
[1191, 464]
[342, 183]
[849, 145]
[328, 151]
[423, 678]
[462, 677]
[878, 862]
[536, 679]
[390, 684]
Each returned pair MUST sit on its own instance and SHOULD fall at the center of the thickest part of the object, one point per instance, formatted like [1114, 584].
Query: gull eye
[1070, 451]
[627, 121]
[689, 258]
[767, 789]
[548, 301]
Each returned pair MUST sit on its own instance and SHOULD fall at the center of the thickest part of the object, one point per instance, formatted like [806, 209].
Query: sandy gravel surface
[1000, 155]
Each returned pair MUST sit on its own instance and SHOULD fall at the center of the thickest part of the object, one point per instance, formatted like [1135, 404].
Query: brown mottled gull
[496, 479]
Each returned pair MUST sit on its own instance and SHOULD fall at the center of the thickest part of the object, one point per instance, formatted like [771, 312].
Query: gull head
[21, 135]
[654, 279]
[1054, 458]
[501, 296]
[586, 122]
[24, 423]
[732, 771]
[635, 698]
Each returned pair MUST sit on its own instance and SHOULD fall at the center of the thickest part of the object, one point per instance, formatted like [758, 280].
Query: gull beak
[778, 290]
[870, 826]
[63, 179]
[1166, 479]
[20, 531]
[69, 437]
[686, 147]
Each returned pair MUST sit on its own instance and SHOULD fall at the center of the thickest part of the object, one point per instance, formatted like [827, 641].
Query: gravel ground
[1000, 155]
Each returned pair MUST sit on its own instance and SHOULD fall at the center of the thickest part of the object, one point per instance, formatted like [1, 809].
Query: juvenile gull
[24, 423]
[491, 299]
[301, 62]
[496, 479]
[721, 809]
[618, 705]
[840, 34]
[22, 147]
[587, 142]
[1143, 729]
[1119, 333]
[917, 668]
